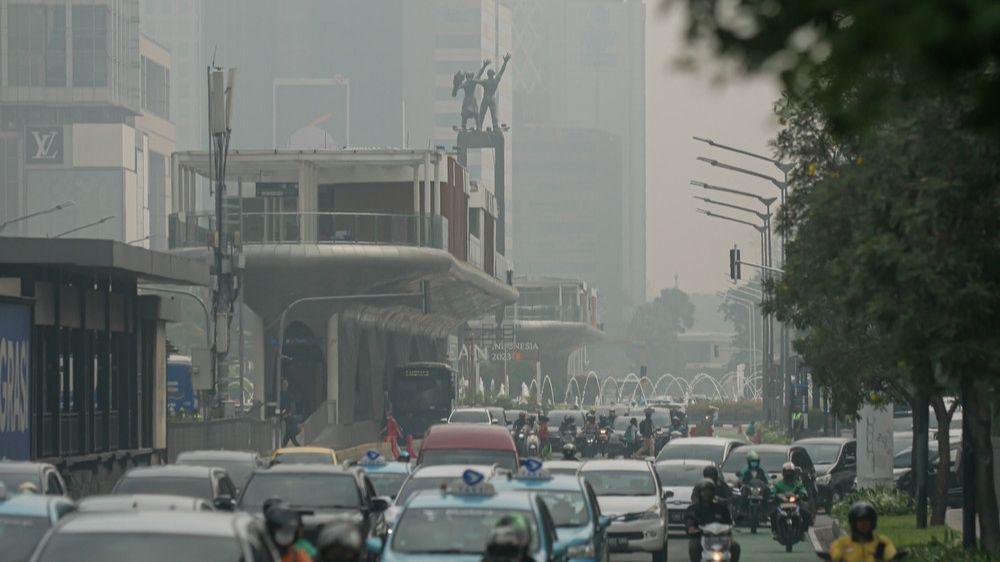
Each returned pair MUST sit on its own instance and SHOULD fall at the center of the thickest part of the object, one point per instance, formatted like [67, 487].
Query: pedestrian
[292, 429]
[392, 432]
[798, 423]
[631, 436]
[647, 433]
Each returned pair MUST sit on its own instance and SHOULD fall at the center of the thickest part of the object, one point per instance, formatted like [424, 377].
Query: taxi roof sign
[372, 458]
[531, 469]
[472, 483]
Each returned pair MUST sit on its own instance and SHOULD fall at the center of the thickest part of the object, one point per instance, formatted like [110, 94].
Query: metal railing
[192, 230]
[244, 434]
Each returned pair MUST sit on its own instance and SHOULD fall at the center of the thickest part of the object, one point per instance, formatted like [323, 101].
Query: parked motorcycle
[788, 524]
[716, 542]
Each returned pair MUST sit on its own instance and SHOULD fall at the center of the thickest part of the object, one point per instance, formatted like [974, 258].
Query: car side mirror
[225, 502]
[603, 522]
[380, 504]
[495, 422]
[374, 545]
[666, 494]
[559, 550]
[444, 420]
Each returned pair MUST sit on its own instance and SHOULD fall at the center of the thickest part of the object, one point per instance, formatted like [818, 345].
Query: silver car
[629, 492]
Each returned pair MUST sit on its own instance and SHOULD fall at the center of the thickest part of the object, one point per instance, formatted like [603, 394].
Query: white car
[679, 476]
[629, 492]
[472, 415]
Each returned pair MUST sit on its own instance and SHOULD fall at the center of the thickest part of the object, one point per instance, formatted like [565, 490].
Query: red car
[458, 443]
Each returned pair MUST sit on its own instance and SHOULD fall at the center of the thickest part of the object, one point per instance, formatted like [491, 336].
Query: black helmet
[569, 450]
[283, 524]
[711, 472]
[648, 412]
[510, 538]
[340, 541]
[704, 484]
[522, 414]
[862, 510]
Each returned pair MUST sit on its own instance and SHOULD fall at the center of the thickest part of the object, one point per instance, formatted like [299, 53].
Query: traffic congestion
[483, 484]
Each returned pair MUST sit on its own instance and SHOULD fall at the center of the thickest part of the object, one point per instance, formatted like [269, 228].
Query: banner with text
[15, 369]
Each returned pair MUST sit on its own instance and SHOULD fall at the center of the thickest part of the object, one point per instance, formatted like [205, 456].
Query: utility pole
[224, 286]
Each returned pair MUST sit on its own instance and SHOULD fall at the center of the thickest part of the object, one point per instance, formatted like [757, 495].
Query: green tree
[655, 327]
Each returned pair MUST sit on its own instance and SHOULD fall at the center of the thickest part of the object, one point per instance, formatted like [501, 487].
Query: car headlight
[651, 514]
[581, 551]
[824, 479]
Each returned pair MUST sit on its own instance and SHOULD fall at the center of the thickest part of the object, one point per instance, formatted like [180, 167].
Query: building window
[36, 54]
[90, 46]
[155, 89]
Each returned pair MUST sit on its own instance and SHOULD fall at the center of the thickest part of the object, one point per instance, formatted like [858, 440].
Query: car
[209, 483]
[158, 536]
[472, 415]
[771, 459]
[304, 455]
[431, 478]
[43, 475]
[462, 443]
[902, 472]
[386, 476]
[238, 464]
[25, 518]
[321, 493]
[571, 468]
[456, 524]
[573, 505]
[715, 449]
[141, 502]
[836, 463]
[629, 492]
[500, 415]
[679, 477]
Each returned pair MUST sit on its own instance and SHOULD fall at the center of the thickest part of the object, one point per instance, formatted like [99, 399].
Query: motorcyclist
[676, 425]
[340, 542]
[723, 492]
[285, 527]
[543, 435]
[704, 510]
[567, 425]
[590, 425]
[789, 483]
[752, 471]
[569, 452]
[509, 541]
[519, 423]
[611, 417]
[863, 544]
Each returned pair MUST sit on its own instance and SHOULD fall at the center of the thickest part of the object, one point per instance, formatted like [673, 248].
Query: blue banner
[15, 369]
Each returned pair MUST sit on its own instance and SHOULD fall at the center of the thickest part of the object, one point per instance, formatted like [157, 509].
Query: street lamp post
[88, 225]
[52, 209]
[750, 306]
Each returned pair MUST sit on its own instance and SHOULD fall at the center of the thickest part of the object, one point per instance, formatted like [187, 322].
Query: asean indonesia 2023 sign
[15, 366]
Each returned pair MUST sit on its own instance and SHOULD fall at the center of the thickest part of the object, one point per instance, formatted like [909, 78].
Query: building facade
[581, 65]
[84, 119]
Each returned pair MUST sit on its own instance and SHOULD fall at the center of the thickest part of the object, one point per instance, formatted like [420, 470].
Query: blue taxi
[573, 506]
[25, 518]
[386, 476]
[455, 524]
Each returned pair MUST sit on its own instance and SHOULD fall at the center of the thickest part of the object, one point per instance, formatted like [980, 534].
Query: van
[460, 443]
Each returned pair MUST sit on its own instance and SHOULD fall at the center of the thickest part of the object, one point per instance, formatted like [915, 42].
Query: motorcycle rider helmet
[510, 539]
[283, 524]
[862, 511]
[522, 415]
[340, 541]
[569, 451]
[753, 460]
[704, 490]
[711, 472]
[788, 471]
[648, 412]
[568, 419]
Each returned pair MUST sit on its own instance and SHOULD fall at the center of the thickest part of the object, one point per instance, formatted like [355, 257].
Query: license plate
[788, 506]
[619, 542]
[676, 516]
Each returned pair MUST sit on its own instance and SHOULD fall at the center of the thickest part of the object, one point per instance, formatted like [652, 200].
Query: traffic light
[734, 264]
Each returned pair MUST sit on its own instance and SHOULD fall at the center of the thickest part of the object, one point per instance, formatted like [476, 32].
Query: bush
[886, 501]
[947, 551]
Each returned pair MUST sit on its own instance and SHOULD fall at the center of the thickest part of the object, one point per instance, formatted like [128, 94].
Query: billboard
[15, 369]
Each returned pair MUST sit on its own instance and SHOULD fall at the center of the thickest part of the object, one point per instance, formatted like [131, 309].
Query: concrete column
[160, 386]
[416, 199]
[333, 361]
[437, 184]
[427, 184]
[308, 202]
[259, 362]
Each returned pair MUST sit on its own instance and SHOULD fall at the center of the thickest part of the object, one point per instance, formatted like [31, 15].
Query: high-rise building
[84, 119]
[581, 66]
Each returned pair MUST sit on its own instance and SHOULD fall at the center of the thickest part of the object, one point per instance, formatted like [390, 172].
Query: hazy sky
[680, 104]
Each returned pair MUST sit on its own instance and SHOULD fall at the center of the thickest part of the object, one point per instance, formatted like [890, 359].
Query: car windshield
[11, 480]
[822, 453]
[171, 486]
[19, 535]
[621, 482]
[568, 508]
[903, 458]
[681, 451]
[451, 530]
[469, 416]
[661, 418]
[387, 483]
[238, 471]
[303, 458]
[684, 475]
[302, 490]
[506, 459]
[152, 547]
[414, 485]
[770, 461]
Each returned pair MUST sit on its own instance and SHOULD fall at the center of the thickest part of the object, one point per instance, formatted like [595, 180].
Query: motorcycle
[716, 541]
[532, 444]
[788, 522]
[603, 437]
[753, 501]
[588, 444]
[705, 428]
[900, 554]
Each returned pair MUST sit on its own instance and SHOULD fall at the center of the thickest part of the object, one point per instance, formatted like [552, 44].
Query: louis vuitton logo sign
[44, 145]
